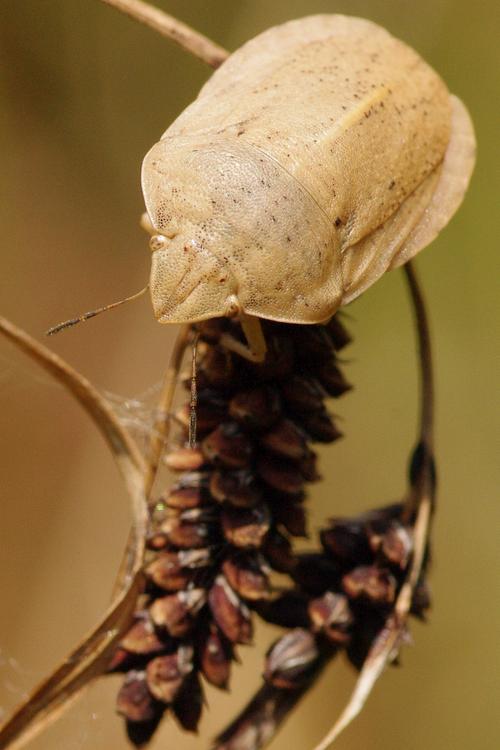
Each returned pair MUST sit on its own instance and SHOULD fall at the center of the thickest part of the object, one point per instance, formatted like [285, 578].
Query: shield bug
[322, 153]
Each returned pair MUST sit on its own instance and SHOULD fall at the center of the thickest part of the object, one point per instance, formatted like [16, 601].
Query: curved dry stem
[423, 468]
[425, 358]
[168, 26]
[89, 659]
[419, 505]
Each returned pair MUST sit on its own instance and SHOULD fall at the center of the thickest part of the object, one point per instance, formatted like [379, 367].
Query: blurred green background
[84, 93]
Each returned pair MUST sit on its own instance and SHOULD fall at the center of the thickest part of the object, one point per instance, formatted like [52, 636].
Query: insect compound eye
[158, 242]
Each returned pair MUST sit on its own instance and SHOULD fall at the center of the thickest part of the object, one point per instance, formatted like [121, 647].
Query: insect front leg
[256, 348]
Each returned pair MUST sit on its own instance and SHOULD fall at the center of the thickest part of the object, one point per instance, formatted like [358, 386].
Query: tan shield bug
[321, 154]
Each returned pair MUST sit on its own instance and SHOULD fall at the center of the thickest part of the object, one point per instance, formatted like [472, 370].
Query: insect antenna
[92, 313]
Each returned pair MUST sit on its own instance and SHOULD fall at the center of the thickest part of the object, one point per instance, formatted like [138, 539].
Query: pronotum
[321, 154]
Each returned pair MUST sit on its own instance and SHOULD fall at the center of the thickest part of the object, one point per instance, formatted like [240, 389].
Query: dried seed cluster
[224, 526]
[343, 595]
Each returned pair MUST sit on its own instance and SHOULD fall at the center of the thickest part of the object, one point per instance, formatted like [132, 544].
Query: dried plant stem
[425, 356]
[168, 26]
[423, 481]
[88, 660]
[420, 501]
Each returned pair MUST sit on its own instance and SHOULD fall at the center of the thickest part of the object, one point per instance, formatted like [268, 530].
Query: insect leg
[255, 349]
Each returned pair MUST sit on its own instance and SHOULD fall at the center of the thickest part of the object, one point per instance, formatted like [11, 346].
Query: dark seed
[290, 610]
[134, 700]
[215, 654]
[173, 571]
[316, 573]
[188, 531]
[188, 704]
[292, 516]
[140, 732]
[141, 638]
[331, 615]
[280, 475]
[208, 414]
[320, 426]
[216, 368]
[247, 576]
[185, 459]
[370, 582]
[165, 674]
[175, 612]
[184, 498]
[332, 380]
[245, 528]
[286, 440]
[347, 541]
[236, 487]
[230, 614]
[338, 333]
[289, 661]
[256, 409]
[397, 545]
[228, 446]
[303, 395]
[277, 549]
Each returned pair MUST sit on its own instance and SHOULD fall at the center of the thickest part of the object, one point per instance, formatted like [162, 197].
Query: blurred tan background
[84, 93]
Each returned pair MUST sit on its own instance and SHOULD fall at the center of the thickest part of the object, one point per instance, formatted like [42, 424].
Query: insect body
[320, 154]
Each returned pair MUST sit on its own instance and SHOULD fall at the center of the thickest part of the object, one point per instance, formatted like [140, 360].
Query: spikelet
[218, 533]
